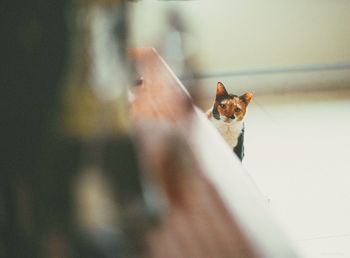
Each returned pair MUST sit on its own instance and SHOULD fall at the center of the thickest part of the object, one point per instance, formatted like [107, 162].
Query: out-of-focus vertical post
[81, 194]
[175, 47]
[103, 211]
[32, 63]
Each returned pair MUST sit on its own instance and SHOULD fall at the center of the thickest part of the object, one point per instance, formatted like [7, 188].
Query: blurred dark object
[33, 59]
[66, 123]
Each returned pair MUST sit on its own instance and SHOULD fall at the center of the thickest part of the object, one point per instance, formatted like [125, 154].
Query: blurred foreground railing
[212, 207]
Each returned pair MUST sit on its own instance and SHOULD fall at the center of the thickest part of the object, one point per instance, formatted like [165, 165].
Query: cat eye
[237, 109]
[222, 105]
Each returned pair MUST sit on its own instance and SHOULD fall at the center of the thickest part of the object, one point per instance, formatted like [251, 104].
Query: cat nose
[232, 117]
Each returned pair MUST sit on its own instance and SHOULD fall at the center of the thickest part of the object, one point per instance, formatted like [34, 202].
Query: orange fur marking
[247, 96]
[220, 89]
[235, 106]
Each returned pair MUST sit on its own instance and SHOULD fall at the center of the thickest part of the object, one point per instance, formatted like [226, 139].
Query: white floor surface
[298, 154]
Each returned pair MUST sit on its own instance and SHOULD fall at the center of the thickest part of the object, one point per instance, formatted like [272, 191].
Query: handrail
[212, 194]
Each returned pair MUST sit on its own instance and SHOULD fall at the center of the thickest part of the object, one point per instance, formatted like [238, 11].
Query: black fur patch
[220, 98]
[215, 112]
[239, 148]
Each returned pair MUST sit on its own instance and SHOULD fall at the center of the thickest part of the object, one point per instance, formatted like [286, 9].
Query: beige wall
[236, 35]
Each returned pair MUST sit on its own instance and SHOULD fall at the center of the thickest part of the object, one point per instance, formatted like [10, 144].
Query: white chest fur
[230, 131]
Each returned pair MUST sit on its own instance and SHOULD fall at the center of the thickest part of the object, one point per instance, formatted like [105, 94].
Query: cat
[227, 115]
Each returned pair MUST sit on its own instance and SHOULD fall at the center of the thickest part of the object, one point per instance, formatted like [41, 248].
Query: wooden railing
[211, 206]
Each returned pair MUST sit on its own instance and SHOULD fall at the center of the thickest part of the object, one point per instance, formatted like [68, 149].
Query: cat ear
[246, 97]
[220, 90]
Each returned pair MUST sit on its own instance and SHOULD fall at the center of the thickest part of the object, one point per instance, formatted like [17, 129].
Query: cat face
[230, 107]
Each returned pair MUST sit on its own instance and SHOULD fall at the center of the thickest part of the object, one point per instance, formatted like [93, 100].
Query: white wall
[244, 35]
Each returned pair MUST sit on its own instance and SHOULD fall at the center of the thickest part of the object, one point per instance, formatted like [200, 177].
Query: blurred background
[270, 46]
[86, 177]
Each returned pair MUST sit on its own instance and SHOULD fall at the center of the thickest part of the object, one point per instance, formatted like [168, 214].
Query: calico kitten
[227, 115]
